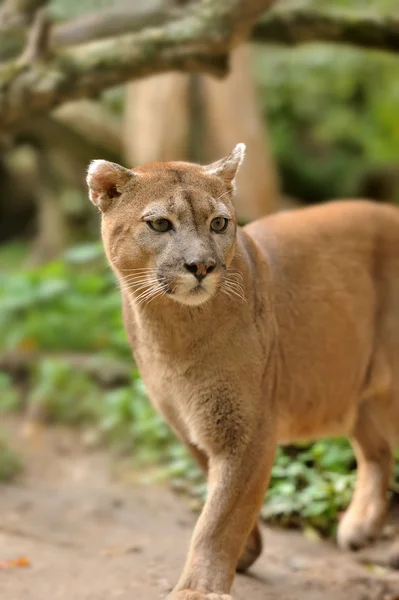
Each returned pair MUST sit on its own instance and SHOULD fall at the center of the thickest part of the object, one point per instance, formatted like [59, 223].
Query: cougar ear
[106, 181]
[227, 167]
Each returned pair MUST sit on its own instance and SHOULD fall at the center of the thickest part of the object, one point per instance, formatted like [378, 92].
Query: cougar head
[169, 229]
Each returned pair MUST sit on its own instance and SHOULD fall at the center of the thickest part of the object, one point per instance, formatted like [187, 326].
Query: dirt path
[91, 534]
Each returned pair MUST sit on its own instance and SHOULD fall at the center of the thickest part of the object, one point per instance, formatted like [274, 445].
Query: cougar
[284, 330]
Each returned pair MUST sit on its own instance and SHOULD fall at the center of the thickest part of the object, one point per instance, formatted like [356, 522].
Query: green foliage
[311, 483]
[10, 463]
[9, 398]
[67, 304]
[332, 116]
[129, 421]
[62, 394]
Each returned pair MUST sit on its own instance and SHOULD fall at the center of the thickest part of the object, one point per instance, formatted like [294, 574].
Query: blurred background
[320, 121]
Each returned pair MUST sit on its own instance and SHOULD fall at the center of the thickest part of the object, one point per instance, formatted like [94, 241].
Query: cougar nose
[200, 269]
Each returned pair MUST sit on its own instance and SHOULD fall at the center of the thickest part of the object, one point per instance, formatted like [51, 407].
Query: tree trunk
[52, 229]
[157, 119]
[234, 115]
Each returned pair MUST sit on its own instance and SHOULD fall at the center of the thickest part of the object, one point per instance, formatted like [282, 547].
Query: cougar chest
[199, 399]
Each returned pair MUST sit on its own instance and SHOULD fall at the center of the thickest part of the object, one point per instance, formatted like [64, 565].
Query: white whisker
[139, 280]
[147, 293]
[147, 296]
[237, 294]
[225, 291]
[138, 276]
[158, 295]
[138, 288]
[234, 282]
[146, 290]
[231, 287]
[235, 274]
[235, 286]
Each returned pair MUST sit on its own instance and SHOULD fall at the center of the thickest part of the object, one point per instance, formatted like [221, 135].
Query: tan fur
[294, 335]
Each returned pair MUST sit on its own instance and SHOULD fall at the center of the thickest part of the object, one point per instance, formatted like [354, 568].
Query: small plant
[9, 397]
[311, 484]
[70, 304]
[10, 463]
[64, 395]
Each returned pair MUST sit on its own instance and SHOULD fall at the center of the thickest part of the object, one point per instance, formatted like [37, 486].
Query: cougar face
[169, 229]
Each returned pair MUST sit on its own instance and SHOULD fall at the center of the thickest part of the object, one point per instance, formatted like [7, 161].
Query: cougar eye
[159, 225]
[219, 224]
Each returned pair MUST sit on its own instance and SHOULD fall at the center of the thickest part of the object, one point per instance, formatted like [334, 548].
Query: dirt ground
[91, 531]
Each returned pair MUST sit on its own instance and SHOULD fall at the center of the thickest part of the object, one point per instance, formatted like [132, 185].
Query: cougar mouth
[198, 289]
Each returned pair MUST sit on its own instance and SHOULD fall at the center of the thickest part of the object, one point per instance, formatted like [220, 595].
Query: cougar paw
[354, 533]
[252, 551]
[193, 595]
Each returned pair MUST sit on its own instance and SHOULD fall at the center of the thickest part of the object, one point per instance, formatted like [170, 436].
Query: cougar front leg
[364, 517]
[237, 484]
[253, 545]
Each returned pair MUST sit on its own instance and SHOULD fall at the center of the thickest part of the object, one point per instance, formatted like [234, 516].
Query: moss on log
[355, 28]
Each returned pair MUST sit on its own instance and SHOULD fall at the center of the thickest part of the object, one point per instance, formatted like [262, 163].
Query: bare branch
[281, 26]
[366, 30]
[38, 41]
[110, 22]
[199, 41]
[118, 20]
[15, 17]
[18, 12]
